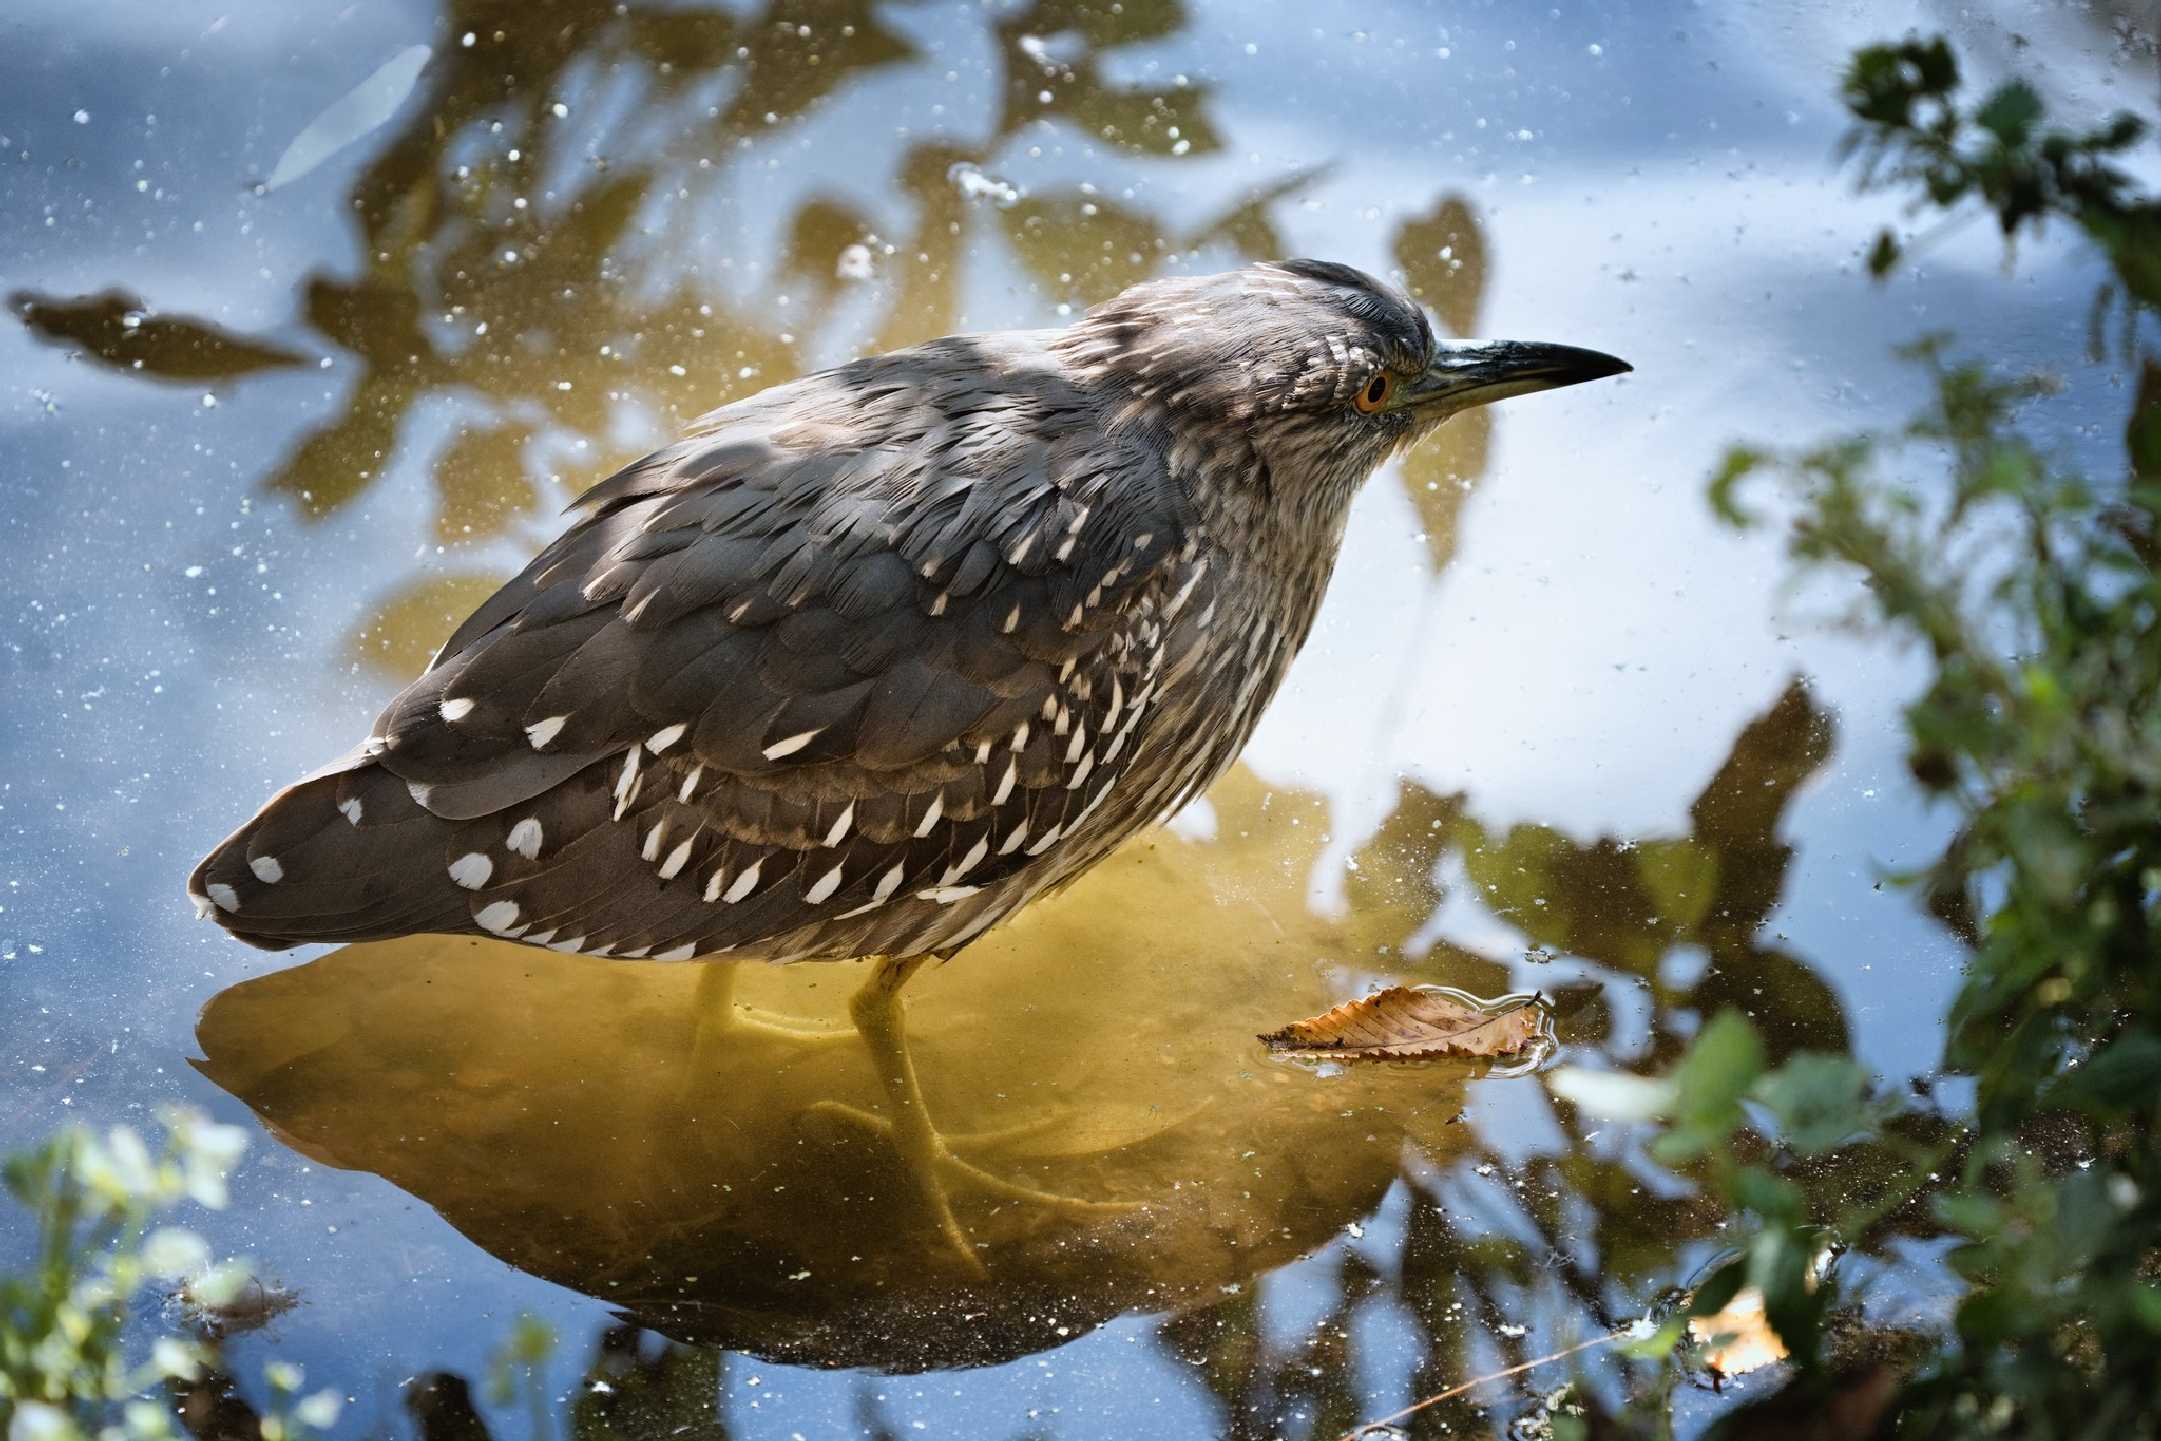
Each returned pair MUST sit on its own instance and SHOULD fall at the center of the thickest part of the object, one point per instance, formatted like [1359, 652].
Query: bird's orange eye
[1374, 395]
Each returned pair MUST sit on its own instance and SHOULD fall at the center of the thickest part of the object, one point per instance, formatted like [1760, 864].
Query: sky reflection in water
[1554, 732]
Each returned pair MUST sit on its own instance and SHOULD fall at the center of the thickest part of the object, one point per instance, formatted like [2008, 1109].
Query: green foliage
[96, 1202]
[2035, 598]
[1708, 1086]
[1812, 1104]
[1913, 135]
[517, 1370]
[1817, 1101]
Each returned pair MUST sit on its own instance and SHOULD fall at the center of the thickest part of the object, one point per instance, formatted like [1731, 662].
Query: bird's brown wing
[758, 686]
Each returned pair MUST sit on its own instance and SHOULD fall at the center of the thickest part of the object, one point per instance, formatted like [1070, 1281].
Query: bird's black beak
[1464, 373]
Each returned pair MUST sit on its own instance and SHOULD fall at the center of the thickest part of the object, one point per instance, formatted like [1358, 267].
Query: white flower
[172, 1357]
[170, 1252]
[36, 1421]
[320, 1411]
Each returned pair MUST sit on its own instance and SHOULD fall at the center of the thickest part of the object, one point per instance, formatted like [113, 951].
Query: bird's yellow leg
[717, 1020]
[881, 1021]
[928, 1157]
[964, 1170]
[715, 1002]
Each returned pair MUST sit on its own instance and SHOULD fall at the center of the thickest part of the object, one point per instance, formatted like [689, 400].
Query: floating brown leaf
[1405, 1023]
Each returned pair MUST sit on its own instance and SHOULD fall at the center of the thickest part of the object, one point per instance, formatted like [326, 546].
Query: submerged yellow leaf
[1406, 1023]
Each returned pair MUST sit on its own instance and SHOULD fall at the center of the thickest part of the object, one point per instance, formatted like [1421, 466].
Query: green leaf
[1990, 1316]
[2146, 1305]
[1777, 1200]
[1656, 1345]
[1818, 1101]
[1720, 1287]
[1970, 1212]
[1724, 1062]
[2085, 1217]
[2008, 470]
[2010, 114]
[2142, 439]
[2122, 1075]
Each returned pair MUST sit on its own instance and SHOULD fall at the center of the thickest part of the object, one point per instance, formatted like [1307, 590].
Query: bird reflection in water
[740, 1191]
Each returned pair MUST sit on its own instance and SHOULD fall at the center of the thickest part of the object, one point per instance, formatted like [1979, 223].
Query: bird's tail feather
[345, 855]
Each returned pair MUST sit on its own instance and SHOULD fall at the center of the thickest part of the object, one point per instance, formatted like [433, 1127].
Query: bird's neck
[1278, 537]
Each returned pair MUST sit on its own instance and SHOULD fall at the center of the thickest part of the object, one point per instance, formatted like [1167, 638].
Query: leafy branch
[2036, 597]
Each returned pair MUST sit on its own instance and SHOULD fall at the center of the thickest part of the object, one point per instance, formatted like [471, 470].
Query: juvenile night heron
[869, 660]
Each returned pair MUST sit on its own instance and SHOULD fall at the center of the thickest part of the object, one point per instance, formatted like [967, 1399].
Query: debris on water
[854, 263]
[250, 1306]
[975, 183]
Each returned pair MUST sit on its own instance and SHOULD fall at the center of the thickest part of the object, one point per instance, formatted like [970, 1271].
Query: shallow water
[279, 410]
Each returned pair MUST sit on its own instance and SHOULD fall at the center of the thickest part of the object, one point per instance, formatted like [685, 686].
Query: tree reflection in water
[548, 276]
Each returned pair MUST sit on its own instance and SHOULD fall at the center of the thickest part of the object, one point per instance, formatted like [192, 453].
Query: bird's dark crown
[1278, 336]
[1248, 377]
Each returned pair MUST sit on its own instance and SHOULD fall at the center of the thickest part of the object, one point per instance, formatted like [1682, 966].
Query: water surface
[275, 410]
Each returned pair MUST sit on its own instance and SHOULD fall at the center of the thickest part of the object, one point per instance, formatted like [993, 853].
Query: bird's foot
[749, 1020]
[949, 1163]
[725, 1027]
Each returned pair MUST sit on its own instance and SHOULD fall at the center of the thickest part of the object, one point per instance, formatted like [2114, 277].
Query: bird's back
[856, 668]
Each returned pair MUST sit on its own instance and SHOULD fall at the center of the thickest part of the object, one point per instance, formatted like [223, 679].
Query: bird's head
[1316, 370]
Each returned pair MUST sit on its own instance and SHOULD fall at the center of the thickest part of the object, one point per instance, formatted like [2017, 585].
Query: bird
[864, 663]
